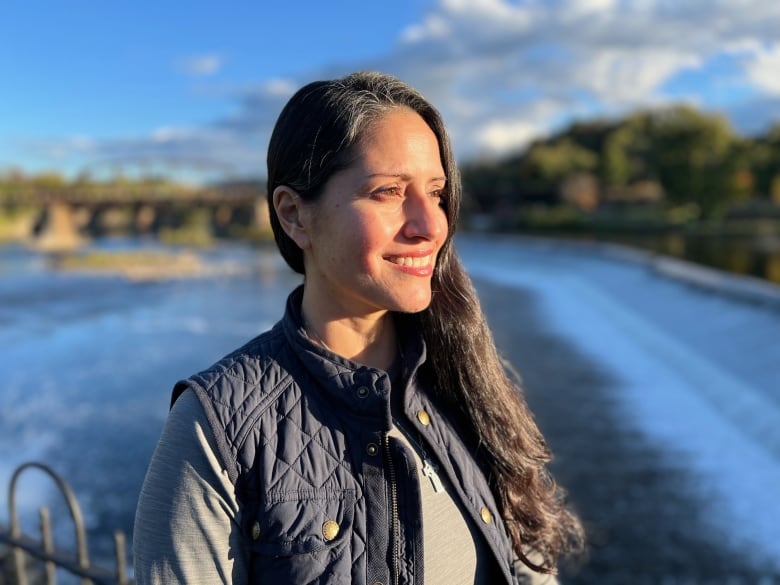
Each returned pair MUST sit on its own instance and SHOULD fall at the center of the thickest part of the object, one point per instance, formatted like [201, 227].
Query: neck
[367, 339]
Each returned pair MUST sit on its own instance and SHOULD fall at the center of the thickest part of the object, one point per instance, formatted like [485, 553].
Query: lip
[417, 262]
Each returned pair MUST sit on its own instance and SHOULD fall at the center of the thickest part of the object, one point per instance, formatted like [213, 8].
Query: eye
[438, 194]
[387, 192]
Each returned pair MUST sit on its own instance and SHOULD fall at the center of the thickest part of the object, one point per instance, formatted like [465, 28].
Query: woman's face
[377, 228]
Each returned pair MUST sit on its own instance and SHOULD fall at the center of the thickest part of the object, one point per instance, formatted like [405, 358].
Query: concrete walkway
[659, 392]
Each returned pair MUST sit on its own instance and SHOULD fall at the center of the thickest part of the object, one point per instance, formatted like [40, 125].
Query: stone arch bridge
[66, 219]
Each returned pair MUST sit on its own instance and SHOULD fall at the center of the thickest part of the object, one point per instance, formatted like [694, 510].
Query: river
[87, 364]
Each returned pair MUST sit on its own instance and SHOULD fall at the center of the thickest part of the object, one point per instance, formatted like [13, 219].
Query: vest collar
[360, 388]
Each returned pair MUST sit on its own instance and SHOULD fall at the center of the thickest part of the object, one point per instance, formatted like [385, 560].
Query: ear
[291, 213]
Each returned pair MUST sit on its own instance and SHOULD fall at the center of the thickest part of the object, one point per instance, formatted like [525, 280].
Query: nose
[424, 217]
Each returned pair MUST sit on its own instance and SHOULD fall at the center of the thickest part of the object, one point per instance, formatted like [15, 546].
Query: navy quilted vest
[326, 495]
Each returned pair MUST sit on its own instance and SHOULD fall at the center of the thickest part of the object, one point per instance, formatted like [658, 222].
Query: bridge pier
[145, 216]
[261, 220]
[59, 231]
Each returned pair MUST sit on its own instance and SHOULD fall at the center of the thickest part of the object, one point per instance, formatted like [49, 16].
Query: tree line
[676, 163]
[676, 160]
[21, 188]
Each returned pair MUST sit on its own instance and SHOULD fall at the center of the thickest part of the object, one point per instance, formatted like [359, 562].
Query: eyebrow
[402, 176]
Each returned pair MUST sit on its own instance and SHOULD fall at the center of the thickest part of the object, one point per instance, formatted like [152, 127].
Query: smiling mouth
[412, 262]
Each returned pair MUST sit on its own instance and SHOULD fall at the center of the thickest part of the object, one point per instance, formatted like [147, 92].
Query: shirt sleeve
[187, 525]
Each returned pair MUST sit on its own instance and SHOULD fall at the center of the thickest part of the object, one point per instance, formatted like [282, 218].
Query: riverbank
[740, 286]
[750, 248]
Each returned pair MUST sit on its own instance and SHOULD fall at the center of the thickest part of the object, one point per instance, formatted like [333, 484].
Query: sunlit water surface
[87, 364]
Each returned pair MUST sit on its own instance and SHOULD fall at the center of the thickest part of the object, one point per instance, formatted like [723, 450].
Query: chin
[414, 306]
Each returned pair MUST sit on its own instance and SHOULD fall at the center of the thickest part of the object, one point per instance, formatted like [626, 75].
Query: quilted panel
[291, 453]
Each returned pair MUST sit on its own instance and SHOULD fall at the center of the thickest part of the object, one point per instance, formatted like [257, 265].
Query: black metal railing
[23, 546]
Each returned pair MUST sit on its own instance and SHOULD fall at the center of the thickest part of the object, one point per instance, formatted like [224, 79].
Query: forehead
[400, 137]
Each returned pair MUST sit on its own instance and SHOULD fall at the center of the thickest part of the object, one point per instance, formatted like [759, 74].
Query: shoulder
[262, 364]
[238, 387]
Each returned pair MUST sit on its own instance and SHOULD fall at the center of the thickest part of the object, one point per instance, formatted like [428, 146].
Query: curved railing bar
[70, 499]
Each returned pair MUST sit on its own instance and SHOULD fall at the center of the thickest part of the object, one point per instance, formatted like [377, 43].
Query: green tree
[694, 158]
[561, 159]
[765, 163]
[49, 183]
[627, 153]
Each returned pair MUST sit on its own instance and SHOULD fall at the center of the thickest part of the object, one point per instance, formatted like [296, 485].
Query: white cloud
[434, 27]
[280, 87]
[485, 63]
[167, 134]
[82, 143]
[506, 71]
[746, 46]
[763, 70]
[466, 23]
[63, 149]
[504, 135]
[587, 8]
[631, 77]
[203, 65]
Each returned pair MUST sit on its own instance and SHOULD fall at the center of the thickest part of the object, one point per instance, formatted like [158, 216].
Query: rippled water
[87, 364]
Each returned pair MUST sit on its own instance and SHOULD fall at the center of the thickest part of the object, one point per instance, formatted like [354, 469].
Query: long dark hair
[315, 136]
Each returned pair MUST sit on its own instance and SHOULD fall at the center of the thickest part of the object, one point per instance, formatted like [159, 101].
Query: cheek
[443, 219]
[371, 238]
[346, 243]
[373, 231]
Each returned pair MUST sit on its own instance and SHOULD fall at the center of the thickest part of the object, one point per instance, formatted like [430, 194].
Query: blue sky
[192, 88]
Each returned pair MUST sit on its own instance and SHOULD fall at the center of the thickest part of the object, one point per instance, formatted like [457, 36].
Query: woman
[372, 436]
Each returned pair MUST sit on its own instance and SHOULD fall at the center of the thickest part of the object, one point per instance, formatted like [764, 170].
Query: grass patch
[135, 265]
[17, 224]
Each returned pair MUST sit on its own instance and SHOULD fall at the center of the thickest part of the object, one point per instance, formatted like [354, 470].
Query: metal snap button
[362, 392]
[423, 417]
[487, 517]
[330, 530]
[372, 449]
[255, 530]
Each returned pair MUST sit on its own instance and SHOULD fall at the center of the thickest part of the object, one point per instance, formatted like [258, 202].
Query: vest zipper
[395, 532]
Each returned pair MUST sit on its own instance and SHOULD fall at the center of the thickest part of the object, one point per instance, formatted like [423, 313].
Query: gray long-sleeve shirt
[188, 518]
